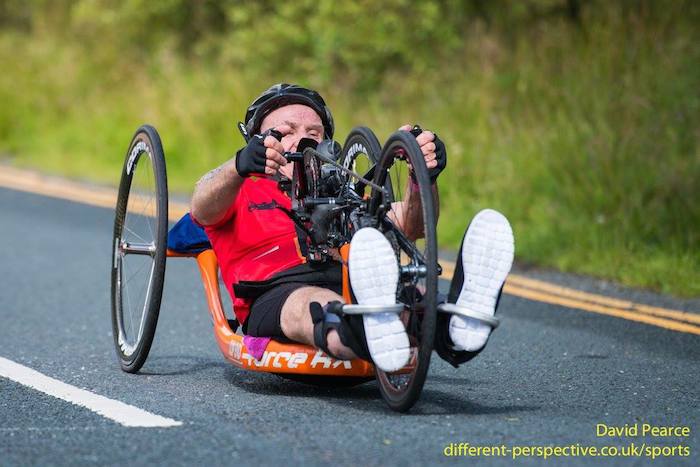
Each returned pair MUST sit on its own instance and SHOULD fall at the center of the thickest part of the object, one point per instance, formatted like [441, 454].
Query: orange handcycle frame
[283, 358]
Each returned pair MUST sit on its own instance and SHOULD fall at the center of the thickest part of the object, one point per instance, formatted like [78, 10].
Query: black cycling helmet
[283, 94]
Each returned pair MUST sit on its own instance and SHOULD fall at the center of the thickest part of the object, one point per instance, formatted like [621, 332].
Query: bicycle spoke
[135, 234]
[146, 299]
[140, 204]
[151, 189]
[128, 301]
[137, 271]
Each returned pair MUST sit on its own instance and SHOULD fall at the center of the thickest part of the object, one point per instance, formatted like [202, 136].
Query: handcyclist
[277, 293]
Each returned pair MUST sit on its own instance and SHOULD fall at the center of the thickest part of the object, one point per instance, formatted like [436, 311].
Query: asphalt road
[549, 375]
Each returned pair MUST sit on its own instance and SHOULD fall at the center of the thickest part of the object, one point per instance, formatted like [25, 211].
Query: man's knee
[295, 318]
[292, 319]
[299, 325]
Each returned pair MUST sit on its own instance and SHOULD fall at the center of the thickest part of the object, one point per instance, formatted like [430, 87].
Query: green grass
[586, 140]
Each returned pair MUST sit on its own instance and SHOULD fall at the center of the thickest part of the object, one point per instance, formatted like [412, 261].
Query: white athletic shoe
[487, 256]
[374, 275]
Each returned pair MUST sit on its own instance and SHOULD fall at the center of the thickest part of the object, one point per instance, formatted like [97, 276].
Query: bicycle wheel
[417, 257]
[361, 151]
[139, 248]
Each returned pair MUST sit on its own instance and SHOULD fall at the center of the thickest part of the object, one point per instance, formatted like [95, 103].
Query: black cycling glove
[440, 154]
[252, 159]
[440, 157]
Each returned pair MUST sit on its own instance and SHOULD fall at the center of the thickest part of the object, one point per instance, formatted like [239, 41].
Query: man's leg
[305, 313]
[297, 325]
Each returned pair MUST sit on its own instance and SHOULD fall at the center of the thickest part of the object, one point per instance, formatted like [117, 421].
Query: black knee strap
[350, 328]
[324, 322]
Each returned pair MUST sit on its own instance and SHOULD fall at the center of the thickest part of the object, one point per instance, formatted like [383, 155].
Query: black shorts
[266, 310]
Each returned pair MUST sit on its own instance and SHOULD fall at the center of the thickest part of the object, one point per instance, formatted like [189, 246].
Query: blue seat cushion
[187, 237]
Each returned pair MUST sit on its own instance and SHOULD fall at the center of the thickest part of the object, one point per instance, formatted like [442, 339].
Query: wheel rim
[397, 180]
[135, 251]
[359, 158]
[360, 151]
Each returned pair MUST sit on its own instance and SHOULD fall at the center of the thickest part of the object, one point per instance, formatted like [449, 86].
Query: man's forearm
[408, 214]
[215, 192]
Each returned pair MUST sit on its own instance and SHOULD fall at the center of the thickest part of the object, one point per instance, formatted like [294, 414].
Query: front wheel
[139, 248]
[360, 152]
[406, 212]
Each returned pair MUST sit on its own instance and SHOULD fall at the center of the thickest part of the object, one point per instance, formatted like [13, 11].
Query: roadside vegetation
[579, 120]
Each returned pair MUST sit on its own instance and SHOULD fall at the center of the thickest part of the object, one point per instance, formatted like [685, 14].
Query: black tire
[139, 245]
[418, 291]
[361, 150]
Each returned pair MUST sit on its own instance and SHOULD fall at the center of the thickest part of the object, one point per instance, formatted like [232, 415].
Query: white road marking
[120, 412]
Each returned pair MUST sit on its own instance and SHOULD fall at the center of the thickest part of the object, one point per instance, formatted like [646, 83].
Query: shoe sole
[487, 256]
[374, 275]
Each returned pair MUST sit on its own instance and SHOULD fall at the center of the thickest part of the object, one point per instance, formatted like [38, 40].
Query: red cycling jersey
[255, 240]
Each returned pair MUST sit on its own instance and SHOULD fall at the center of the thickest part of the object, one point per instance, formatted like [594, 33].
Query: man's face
[294, 121]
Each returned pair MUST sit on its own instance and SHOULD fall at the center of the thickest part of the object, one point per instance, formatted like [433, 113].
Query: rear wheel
[139, 248]
[418, 259]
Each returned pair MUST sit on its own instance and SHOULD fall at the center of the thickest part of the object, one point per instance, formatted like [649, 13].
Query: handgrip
[294, 156]
[277, 135]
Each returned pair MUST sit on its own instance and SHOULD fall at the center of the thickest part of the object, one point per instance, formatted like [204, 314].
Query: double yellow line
[54, 187]
[516, 285]
[541, 291]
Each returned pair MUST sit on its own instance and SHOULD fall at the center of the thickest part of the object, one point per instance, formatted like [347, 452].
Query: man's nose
[290, 142]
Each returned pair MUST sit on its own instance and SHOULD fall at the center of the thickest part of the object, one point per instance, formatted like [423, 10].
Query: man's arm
[215, 192]
[408, 214]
